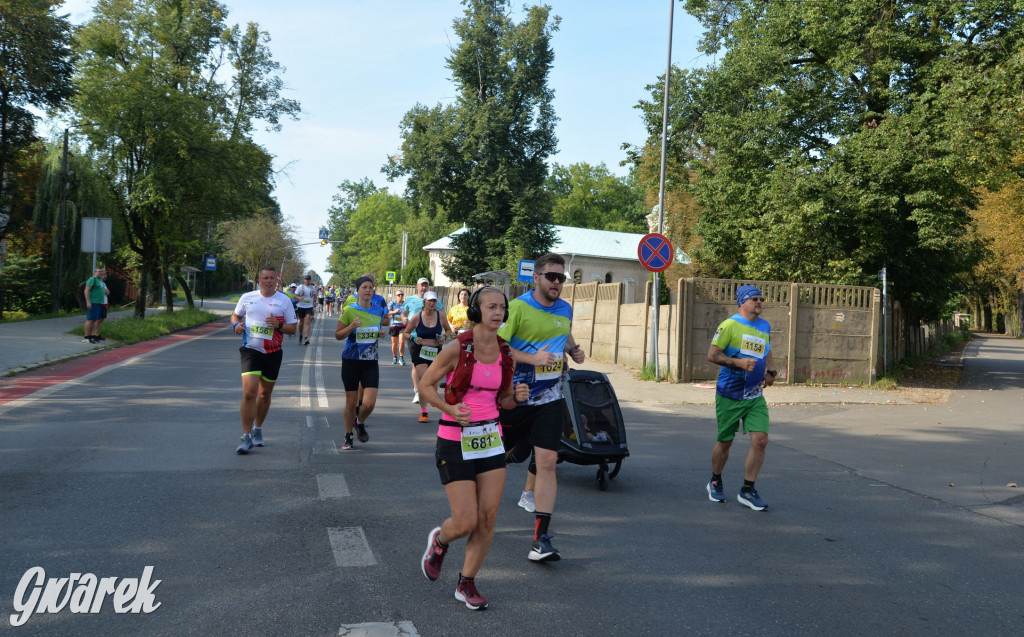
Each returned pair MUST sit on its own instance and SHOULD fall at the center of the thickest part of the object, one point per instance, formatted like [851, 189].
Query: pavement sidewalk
[27, 345]
[31, 344]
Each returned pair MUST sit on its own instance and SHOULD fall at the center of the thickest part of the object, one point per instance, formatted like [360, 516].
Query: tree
[585, 196]
[999, 277]
[834, 139]
[175, 141]
[482, 160]
[259, 241]
[36, 63]
[346, 200]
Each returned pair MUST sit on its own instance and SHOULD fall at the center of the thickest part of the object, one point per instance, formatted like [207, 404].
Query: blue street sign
[209, 262]
[323, 234]
[526, 271]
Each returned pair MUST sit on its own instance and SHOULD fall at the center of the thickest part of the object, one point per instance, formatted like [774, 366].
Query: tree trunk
[189, 301]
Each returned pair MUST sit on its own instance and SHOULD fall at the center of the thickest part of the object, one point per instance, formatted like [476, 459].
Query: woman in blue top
[360, 324]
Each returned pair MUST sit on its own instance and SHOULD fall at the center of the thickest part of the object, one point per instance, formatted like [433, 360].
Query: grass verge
[647, 373]
[130, 330]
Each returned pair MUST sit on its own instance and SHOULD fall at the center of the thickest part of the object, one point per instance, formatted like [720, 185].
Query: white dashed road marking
[400, 629]
[350, 547]
[332, 485]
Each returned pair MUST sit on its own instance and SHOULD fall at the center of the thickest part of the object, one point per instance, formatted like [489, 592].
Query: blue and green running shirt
[739, 338]
[361, 343]
[531, 326]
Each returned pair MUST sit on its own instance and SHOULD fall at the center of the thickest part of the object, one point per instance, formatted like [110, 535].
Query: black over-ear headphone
[473, 311]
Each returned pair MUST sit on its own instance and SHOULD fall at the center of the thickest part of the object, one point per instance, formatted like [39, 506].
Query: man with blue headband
[742, 348]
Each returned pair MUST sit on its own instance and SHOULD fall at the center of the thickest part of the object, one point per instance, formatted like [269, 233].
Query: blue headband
[745, 292]
[361, 280]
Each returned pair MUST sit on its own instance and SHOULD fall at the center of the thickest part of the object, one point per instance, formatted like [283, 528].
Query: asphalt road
[884, 520]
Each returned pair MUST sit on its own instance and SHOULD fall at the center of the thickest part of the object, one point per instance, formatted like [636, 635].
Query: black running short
[415, 349]
[303, 311]
[541, 425]
[395, 330]
[268, 366]
[355, 372]
[452, 468]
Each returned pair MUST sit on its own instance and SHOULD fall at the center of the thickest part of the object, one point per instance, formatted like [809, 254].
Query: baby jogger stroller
[593, 431]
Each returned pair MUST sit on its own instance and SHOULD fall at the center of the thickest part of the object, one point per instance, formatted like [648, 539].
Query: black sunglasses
[554, 277]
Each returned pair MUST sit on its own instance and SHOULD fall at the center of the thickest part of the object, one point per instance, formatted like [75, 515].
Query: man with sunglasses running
[538, 331]
[742, 347]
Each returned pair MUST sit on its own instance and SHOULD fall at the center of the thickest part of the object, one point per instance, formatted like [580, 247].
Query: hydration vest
[462, 377]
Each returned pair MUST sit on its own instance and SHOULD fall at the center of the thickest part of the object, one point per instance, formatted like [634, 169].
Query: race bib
[753, 346]
[261, 331]
[367, 334]
[482, 441]
[552, 371]
[428, 352]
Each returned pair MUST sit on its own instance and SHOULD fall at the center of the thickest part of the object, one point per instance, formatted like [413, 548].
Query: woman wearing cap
[457, 315]
[360, 324]
[469, 455]
[431, 327]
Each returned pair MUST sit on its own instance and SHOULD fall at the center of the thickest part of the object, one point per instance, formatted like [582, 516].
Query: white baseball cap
[430, 295]
[423, 280]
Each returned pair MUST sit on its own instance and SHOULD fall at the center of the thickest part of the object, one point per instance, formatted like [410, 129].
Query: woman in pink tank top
[469, 454]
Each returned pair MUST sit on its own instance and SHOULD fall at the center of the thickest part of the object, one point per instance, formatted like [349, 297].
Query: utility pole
[661, 193]
[60, 224]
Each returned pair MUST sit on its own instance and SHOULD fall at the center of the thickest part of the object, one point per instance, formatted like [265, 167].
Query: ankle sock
[747, 485]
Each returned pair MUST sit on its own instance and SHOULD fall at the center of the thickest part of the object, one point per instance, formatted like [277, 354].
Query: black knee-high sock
[543, 520]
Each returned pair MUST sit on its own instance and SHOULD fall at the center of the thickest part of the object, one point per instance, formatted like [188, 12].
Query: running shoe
[307, 342]
[349, 444]
[466, 592]
[394, 361]
[246, 445]
[401, 361]
[526, 502]
[715, 492]
[542, 551]
[361, 431]
[433, 556]
[257, 436]
[752, 499]
[424, 417]
[416, 397]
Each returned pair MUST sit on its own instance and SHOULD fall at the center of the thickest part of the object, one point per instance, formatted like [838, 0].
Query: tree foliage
[585, 196]
[173, 138]
[482, 159]
[35, 70]
[260, 241]
[832, 139]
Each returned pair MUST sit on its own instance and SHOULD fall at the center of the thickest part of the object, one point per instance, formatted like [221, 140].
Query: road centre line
[350, 546]
[332, 485]
[378, 629]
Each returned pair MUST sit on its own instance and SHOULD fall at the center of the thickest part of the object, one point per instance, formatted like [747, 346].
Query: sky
[357, 66]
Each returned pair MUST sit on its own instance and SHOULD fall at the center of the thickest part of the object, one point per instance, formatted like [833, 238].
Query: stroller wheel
[615, 471]
[602, 478]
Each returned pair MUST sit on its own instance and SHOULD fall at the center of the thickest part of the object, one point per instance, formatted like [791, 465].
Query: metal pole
[661, 191]
[60, 225]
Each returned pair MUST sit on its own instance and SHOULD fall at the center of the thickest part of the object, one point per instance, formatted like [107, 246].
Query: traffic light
[323, 242]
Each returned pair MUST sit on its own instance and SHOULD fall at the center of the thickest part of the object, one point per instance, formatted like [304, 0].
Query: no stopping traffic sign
[655, 252]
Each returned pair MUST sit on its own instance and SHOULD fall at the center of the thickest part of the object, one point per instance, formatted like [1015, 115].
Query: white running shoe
[416, 397]
[526, 502]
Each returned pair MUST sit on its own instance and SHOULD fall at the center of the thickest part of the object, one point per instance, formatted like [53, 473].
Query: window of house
[608, 278]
